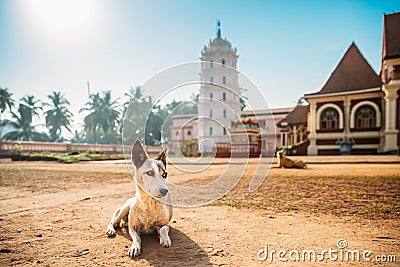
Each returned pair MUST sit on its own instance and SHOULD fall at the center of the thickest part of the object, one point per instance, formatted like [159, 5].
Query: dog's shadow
[183, 251]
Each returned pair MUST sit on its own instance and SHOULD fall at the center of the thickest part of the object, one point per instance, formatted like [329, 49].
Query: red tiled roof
[352, 73]
[391, 36]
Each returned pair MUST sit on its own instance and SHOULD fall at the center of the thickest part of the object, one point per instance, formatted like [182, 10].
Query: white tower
[219, 102]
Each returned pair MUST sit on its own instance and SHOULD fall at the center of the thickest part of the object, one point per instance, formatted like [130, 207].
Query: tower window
[189, 133]
[224, 80]
[211, 96]
[211, 130]
[211, 63]
[211, 79]
[211, 113]
[224, 113]
[224, 131]
[223, 96]
[223, 62]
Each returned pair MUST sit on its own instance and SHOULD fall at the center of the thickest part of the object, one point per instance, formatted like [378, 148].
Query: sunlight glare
[62, 17]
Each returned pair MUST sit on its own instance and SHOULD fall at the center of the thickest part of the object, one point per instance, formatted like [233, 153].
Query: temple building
[219, 93]
[357, 110]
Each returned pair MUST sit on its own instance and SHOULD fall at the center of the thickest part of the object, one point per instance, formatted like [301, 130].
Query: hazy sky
[287, 48]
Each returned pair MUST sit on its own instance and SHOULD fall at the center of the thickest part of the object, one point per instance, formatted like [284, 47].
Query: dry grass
[376, 197]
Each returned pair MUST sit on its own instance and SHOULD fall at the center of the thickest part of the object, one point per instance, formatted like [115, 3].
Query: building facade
[294, 132]
[390, 75]
[272, 137]
[357, 109]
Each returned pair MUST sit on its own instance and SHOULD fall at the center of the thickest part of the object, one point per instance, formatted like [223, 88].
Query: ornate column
[390, 132]
[312, 149]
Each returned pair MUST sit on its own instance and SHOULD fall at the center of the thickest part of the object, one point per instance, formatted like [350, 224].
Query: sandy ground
[56, 214]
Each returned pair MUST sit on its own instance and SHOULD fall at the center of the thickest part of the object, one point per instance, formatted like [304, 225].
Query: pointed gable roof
[297, 116]
[391, 36]
[352, 73]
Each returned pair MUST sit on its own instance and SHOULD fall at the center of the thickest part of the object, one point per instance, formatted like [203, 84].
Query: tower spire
[218, 29]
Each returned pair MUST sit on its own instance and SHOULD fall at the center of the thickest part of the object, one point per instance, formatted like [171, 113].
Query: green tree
[91, 121]
[110, 115]
[136, 110]
[31, 106]
[102, 118]
[300, 101]
[243, 99]
[5, 99]
[58, 116]
[148, 120]
[22, 128]
[79, 137]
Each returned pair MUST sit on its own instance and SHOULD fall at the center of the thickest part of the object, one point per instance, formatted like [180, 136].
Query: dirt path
[56, 215]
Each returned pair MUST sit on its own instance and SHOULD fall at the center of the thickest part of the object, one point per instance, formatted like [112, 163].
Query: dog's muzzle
[163, 191]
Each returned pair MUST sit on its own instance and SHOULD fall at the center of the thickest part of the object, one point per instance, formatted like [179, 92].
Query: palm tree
[103, 116]
[31, 106]
[132, 95]
[58, 116]
[91, 121]
[23, 130]
[5, 99]
[135, 114]
[110, 114]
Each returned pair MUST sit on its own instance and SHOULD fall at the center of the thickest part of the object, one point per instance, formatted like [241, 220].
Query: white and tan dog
[145, 212]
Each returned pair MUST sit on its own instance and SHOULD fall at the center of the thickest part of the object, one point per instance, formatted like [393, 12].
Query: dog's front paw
[165, 241]
[134, 250]
[110, 231]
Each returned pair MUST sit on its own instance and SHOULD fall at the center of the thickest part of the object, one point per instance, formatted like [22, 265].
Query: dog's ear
[163, 156]
[138, 154]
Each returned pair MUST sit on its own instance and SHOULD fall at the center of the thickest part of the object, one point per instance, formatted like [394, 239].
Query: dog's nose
[163, 191]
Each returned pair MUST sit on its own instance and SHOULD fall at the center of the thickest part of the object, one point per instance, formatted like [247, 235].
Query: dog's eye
[150, 173]
[164, 175]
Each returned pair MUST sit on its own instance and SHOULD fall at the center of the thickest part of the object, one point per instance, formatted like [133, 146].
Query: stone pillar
[294, 135]
[390, 132]
[346, 114]
[312, 149]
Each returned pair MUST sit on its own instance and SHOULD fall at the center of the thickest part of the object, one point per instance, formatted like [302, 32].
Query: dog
[145, 213]
[285, 162]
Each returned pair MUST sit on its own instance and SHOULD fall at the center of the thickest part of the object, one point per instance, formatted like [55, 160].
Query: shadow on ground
[183, 251]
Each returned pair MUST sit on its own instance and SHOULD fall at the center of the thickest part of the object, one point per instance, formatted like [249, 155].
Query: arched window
[211, 63]
[189, 132]
[223, 62]
[223, 96]
[211, 130]
[224, 80]
[329, 119]
[365, 117]
[224, 113]
[211, 96]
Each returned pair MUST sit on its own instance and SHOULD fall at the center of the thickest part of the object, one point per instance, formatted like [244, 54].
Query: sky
[287, 48]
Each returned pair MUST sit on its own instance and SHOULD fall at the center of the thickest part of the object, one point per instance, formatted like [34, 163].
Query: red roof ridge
[352, 73]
